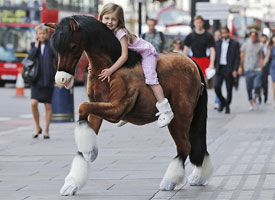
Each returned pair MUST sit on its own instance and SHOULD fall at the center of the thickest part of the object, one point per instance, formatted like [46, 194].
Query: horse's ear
[74, 24]
[51, 25]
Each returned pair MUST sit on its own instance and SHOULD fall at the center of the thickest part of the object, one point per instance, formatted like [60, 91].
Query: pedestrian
[199, 40]
[217, 37]
[112, 15]
[177, 46]
[265, 72]
[251, 65]
[42, 89]
[155, 37]
[270, 56]
[227, 63]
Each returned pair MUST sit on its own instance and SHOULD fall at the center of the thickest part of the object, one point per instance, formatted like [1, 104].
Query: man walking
[252, 65]
[199, 41]
[156, 38]
[227, 63]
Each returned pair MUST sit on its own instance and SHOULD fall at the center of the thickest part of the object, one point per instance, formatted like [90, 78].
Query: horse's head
[67, 42]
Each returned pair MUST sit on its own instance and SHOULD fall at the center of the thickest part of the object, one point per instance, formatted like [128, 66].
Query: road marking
[26, 116]
[5, 118]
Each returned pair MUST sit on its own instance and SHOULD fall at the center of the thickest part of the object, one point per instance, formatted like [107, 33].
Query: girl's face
[273, 40]
[110, 20]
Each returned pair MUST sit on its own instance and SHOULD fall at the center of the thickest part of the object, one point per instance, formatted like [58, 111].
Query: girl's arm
[106, 73]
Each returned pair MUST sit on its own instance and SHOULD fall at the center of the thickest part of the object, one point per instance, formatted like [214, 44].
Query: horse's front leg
[85, 137]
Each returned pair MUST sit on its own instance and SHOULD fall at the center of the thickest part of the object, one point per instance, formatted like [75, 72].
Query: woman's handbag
[30, 70]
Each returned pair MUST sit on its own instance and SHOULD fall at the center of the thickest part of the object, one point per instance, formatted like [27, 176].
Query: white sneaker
[216, 107]
[251, 108]
[165, 113]
[165, 119]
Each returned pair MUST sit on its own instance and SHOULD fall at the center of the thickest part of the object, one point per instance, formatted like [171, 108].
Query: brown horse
[126, 97]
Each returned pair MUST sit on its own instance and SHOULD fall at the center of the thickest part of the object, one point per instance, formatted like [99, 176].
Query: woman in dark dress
[42, 88]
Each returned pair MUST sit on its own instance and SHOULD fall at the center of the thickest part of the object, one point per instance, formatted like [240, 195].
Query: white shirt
[224, 48]
[42, 47]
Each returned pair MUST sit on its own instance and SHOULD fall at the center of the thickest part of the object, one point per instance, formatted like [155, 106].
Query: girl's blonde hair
[118, 10]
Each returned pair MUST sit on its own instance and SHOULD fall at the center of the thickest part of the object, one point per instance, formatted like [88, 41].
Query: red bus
[17, 21]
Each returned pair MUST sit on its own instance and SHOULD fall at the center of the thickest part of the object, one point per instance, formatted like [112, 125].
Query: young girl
[112, 15]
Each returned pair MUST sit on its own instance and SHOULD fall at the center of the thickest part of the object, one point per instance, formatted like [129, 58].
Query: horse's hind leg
[198, 154]
[175, 172]
[201, 173]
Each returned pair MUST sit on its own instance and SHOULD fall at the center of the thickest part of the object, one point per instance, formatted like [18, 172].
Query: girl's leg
[48, 114]
[165, 112]
[158, 92]
[35, 113]
[149, 64]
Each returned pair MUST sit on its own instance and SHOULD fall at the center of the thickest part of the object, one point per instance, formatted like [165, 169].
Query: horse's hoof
[200, 175]
[167, 185]
[91, 155]
[68, 189]
[195, 180]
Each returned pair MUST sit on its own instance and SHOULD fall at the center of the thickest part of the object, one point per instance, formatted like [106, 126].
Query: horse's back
[178, 73]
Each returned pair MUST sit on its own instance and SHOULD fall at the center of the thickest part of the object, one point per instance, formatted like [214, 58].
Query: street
[133, 159]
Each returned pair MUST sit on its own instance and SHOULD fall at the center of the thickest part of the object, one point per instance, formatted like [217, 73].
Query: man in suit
[226, 63]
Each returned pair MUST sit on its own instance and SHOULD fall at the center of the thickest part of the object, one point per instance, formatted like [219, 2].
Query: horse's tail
[197, 134]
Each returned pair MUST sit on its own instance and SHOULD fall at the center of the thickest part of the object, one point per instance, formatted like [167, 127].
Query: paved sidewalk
[132, 160]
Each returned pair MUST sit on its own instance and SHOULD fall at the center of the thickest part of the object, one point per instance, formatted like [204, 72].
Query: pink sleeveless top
[139, 45]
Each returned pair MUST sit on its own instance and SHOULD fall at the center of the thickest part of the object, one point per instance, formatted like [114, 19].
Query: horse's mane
[95, 34]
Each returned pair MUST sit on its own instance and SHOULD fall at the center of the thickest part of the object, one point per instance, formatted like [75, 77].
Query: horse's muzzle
[64, 79]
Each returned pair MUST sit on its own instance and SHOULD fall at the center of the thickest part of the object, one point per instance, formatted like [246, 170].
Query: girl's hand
[105, 73]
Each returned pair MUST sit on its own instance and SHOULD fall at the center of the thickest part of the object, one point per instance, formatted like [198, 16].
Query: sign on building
[212, 11]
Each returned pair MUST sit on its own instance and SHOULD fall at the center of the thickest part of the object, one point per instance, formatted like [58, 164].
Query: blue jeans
[253, 81]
